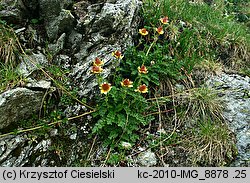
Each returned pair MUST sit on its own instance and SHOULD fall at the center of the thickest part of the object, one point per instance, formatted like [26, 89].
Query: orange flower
[143, 31]
[164, 20]
[96, 69]
[117, 54]
[159, 30]
[143, 69]
[105, 88]
[97, 62]
[142, 89]
[127, 83]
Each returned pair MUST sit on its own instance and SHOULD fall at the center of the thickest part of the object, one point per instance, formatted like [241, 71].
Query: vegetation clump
[154, 98]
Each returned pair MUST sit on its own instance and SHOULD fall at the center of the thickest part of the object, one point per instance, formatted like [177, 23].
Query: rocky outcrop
[17, 104]
[101, 29]
[234, 91]
[12, 10]
[21, 150]
[72, 36]
[32, 63]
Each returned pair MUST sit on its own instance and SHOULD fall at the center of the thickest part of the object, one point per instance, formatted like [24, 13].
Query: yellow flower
[117, 54]
[143, 31]
[96, 69]
[159, 30]
[164, 20]
[97, 62]
[127, 83]
[143, 69]
[105, 88]
[142, 89]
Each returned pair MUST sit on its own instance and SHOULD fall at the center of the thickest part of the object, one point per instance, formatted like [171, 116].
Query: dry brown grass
[8, 46]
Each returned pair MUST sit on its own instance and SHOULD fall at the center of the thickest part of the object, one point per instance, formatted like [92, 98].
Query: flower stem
[155, 39]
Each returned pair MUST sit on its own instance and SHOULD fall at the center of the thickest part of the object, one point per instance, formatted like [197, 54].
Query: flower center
[118, 54]
[96, 68]
[142, 88]
[97, 61]
[126, 82]
[105, 87]
[144, 30]
[159, 29]
[165, 19]
[143, 68]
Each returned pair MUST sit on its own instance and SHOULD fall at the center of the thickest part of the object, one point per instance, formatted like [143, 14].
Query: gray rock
[41, 85]
[58, 46]
[98, 28]
[52, 8]
[33, 37]
[56, 17]
[32, 63]
[58, 25]
[11, 10]
[75, 40]
[19, 150]
[63, 60]
[235, 94]
[105, 27]
[17, 104]
[81, 9]
[73, 136]
[20, 30]
[53, 132]
[147, 159]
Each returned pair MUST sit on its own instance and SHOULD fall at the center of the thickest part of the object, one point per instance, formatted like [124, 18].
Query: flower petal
[105, 88]
[117, 54]
[159, 30]
[142, 89]
[96, 69]
[127, 83]
[97, 62]
[143, 69]
[164, 20]
[143, 31]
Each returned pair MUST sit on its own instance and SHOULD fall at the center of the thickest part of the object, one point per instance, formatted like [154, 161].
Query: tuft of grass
[200, 103]
[8, 45]
[203, 70]
[211, 144]
[9, 78]
[9, 53]
[246, 71]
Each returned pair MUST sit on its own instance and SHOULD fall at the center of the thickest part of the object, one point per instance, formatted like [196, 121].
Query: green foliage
[34, 21]
[246, 71]
[9, 53]
[199, 31]
[66, 100]
[195, 32]
[120, 115]
[58, 73]
[160, 66]
[9, 77]
[163, 139]
[116, 158]
[239, 9]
